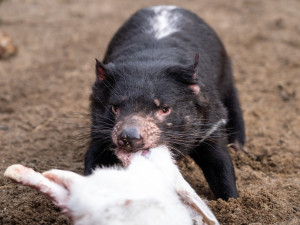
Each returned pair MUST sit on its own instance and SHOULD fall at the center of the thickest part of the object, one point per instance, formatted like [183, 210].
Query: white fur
[214, 127]
[150, 191]
[164, 22]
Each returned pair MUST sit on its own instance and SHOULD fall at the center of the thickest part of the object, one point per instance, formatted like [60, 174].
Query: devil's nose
[130, 138]
[130, 133]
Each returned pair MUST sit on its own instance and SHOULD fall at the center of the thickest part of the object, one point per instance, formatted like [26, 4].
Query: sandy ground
[44, 93]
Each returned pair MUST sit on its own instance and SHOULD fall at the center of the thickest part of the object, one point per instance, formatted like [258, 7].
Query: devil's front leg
[98, 154]
[216, 164]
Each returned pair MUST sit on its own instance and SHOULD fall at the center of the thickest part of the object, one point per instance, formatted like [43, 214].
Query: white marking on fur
[213, 129]
[165, 22]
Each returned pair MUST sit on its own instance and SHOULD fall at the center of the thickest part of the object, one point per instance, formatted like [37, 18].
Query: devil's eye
[165, 110]
[115, 109]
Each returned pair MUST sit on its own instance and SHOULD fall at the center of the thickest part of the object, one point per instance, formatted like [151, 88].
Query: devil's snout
[135, 132]
[130, 139]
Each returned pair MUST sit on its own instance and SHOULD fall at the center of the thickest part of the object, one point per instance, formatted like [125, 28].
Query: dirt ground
[44, 92]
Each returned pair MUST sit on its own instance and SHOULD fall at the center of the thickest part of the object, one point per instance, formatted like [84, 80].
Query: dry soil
[44, 92]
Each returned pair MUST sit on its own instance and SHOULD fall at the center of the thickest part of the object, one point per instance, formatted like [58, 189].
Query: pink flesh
[124, 156]
[145, 153]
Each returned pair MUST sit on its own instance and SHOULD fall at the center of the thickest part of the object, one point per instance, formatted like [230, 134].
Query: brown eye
[163, 112]
[115, 109]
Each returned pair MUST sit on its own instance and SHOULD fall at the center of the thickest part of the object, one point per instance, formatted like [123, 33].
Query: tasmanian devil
[166, 80]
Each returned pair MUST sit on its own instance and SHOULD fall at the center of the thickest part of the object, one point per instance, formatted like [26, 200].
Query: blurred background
[47, 51]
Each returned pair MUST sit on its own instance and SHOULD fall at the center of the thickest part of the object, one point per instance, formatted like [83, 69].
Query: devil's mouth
[125, 156]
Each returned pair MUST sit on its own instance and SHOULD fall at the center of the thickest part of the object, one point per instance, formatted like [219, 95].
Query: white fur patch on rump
[164, 22]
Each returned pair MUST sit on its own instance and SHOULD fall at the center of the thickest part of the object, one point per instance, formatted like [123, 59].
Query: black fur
[139, 67]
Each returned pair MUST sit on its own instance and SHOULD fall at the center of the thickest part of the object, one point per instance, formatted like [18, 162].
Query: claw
[237, 146]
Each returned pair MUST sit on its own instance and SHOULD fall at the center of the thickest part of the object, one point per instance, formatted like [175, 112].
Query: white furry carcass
[150, 191]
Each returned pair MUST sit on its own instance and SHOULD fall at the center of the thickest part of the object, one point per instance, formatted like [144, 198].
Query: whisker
[176, 150]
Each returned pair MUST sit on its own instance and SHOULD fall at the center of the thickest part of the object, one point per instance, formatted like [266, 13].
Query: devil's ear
[195, 86]
[186, 75]
[101, 71]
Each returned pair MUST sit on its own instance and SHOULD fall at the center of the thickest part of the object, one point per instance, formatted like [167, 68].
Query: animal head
[142, 106]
